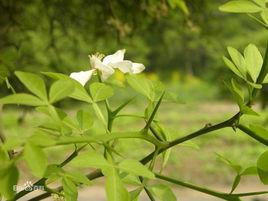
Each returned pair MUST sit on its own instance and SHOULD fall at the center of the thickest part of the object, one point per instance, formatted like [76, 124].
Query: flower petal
[82, 77]
[124, 66]
[106, 71]
[137, 68]
[118, 56]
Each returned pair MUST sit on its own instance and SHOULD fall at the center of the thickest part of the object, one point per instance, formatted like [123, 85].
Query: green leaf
[41, 139]
[36, 159]
[260, 2]
[232, 67]
[152, 115]
[53, 112]
[34, 83]
[253, 61]
[53, 172]
[59, 90]
[238, 92]
[9, 86]
[122, 106]
[179, 4]
[136, 168]
[9, 175]
[150, 89]
[166, 137]
[79, 92]
[96, 160]
[250, 171]
[238, 60]
[130, 179]
[4, 73]
[236, 183]
[247, 110]
[264, 16]
[22, 99]
[260, 131]
[12, 143]
[262, 165]
[163, 192]
[240, 6]
[90, 159]
[115, 189]
[78, 177]
[69, 189]
[100, 91]
[237, 168]
[172, 97]
[134, 195]
[254, 85]
[85, 119]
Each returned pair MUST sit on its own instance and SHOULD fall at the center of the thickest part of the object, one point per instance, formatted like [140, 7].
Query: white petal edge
[118, 56]
[82, 77]
[137, 68]
[124, 66]
[106, 71]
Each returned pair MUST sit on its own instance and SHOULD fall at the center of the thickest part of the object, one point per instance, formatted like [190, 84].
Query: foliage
[98, 150]
[162, 34]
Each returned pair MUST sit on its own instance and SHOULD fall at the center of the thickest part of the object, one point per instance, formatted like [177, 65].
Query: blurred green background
[176, 40]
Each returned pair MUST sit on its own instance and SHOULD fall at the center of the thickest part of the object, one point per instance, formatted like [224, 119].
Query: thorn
[208, 125]
[234, 127]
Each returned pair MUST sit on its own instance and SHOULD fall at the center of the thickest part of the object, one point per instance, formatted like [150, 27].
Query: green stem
[224, 196]
[194, 187]
[250, 193]
[151, 197]
[105, 138]
[258, 20]
[229, 123]
[252, 134]
[100, 115]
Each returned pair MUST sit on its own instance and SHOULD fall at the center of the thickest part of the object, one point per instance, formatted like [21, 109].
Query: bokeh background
[174, 39]
[180, 42]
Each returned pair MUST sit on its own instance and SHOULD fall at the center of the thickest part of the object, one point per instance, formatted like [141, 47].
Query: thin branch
[151, 197]
[252, 134]
[229, 123]
[225, 196]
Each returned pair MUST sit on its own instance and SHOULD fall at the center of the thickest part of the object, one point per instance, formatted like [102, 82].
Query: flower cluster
[107, 66]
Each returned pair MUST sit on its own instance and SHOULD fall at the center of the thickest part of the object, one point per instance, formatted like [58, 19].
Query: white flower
[83, 76]
[96, 63]
[113, 61]
[137, 68]
[107, 66]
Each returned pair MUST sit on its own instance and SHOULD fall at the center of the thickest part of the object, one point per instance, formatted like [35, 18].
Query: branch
[97, 173]
[225, 196]
[252, 134]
